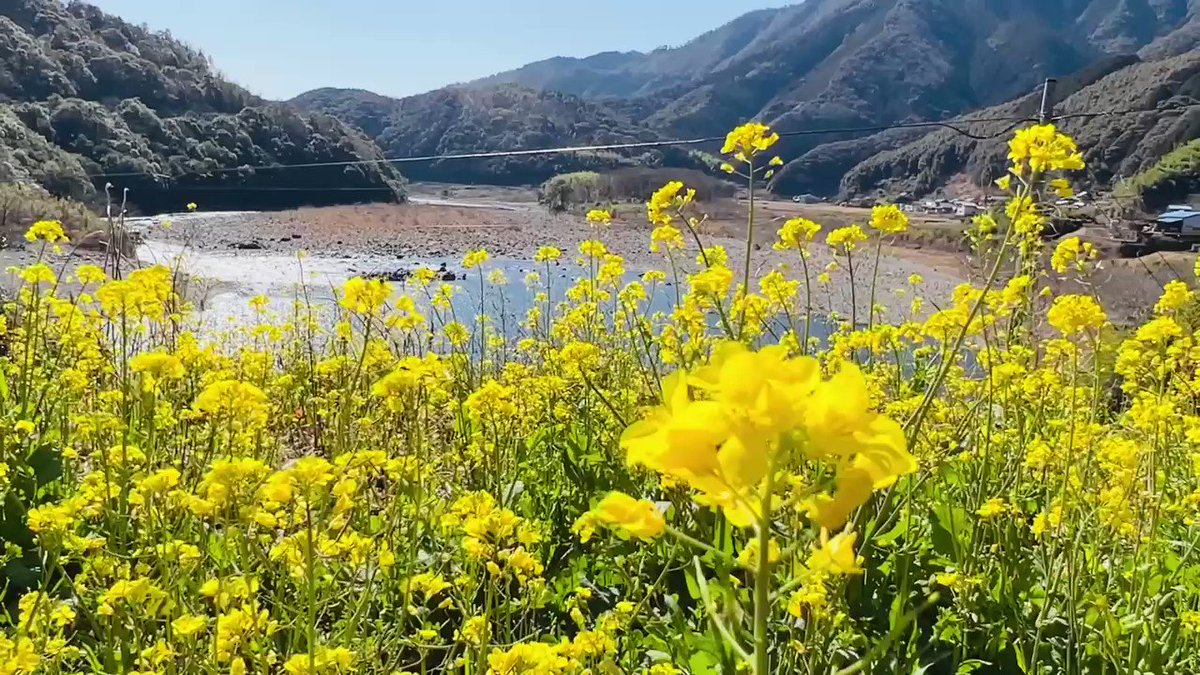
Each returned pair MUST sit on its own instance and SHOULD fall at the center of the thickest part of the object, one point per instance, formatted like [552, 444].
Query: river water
[221, 283]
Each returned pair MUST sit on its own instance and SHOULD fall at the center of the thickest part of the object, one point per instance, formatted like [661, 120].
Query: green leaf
[951, 526]
[898, 530]
[12, 523]
[47, 465]
[658, 656]
[21, 575]
[693, 586]
[703, 663]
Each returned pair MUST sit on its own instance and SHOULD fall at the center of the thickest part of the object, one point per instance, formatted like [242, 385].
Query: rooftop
[1178, 215]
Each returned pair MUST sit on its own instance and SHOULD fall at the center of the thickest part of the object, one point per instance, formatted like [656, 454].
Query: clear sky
[280, 48]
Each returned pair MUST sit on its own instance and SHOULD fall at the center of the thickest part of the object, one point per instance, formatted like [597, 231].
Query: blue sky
[280, 48]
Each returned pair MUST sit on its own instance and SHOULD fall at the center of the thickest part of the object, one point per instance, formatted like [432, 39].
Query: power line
[240, 188]
[1115, 113]
[585, 148]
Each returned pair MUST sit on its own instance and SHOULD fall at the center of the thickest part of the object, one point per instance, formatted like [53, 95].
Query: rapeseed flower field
[1003, 482]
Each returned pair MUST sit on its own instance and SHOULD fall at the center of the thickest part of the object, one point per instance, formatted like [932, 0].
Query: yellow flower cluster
[50, 231]
[749, 140]
[796, 234]
[724, 428]
[599, 217]
[1042, 148]
[889, 219]
[627, 515]
[846, 239]
[367, 297]
[1073, 253]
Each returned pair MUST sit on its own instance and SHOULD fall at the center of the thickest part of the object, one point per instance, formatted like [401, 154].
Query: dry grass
[22, 205]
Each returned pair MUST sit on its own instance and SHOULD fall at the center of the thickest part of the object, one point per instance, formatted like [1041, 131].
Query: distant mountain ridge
[479, 119]
[862, 61]
[630, 74]
[818, 64]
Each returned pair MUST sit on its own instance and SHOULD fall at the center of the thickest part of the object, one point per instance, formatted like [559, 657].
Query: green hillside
[84, 95]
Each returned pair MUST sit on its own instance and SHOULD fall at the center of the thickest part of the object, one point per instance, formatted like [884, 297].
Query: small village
[968, 208]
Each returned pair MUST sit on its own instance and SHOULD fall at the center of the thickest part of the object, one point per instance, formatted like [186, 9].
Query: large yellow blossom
[889, 219]
[630, 517]
[796, 233]
[1075, 314]
[1042, 148]
[46, 230]
[721, 439]
[365, 296]
[749, 140]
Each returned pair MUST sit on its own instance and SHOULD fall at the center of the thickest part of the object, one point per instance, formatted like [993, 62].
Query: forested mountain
[1114, 146]
[818, 64]
[84, 93]
[840, 62]
[502, 117]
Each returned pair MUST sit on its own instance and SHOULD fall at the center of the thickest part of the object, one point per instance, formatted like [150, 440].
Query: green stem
[762, 581]
[874, 283]
[808, 304]
[749, 246]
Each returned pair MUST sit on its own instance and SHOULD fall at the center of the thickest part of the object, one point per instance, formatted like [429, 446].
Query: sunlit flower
[599, 217]
[1074, 314]
[365, 296]
[630, 517]
[475, 258]
[846, 239]
[749, 140]
[889, 219]
[50, 231]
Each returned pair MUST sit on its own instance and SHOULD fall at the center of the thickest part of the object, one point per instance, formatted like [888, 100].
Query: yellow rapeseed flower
[1176, 295]
[1075, 314]
[749, 140]
[233, 400]
[599, 217]
[547, 254]
[365, 296]
[889, 219]
[1042, 148]
[666, 238]
[796, 233]
[50, 231]
[629, 517]
[992, 508]
[161, 365]
[90, 274]
[835, 556]
[475, 258]
[846, 239]
[1073, 252]
[667, 199]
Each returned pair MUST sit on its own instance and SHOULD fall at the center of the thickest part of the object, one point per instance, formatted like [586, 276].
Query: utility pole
[1047, 110]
